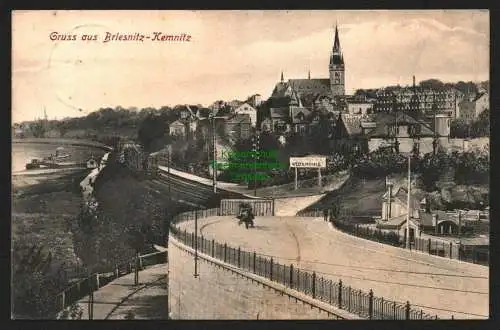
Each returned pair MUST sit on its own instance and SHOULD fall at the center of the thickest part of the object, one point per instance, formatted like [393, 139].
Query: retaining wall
[218, 293]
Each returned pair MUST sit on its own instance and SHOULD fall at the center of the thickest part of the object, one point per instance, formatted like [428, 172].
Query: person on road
[325, 214]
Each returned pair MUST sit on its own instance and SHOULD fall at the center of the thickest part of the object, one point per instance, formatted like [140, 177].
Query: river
[23, 153]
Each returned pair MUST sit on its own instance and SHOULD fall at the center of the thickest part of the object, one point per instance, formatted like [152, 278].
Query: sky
[230, 55]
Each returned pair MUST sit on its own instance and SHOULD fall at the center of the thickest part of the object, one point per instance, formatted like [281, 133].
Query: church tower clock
[337, 68]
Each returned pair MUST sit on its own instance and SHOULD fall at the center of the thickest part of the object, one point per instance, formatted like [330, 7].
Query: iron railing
[364, 304]
[83, 287]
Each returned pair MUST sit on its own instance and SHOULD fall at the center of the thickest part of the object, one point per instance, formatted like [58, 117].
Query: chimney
[434, 223]
[413, 81]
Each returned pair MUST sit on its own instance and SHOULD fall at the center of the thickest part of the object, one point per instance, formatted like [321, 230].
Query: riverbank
[61, 141]
[43, 207]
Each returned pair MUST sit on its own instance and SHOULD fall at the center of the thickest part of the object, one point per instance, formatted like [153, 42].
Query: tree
[435, 84]
[153, 133]
[37, 281]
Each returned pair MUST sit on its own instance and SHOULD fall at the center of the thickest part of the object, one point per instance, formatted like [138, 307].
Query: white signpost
[308, 162]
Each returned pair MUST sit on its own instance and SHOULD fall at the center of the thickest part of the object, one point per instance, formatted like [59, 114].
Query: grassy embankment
[43, 207]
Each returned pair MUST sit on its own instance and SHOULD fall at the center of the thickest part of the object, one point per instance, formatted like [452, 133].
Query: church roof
[310, 86]
[280, 89]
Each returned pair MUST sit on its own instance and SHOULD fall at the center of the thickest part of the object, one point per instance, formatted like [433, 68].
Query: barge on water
[41, 163]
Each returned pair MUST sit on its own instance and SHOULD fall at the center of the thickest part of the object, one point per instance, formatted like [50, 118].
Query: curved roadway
[437, 285]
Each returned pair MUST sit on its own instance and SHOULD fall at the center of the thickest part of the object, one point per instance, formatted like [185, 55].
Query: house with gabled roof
[247, 109]
[412, 134]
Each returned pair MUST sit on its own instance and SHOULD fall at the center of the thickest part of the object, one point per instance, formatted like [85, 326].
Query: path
[437, 285]
[146, 301]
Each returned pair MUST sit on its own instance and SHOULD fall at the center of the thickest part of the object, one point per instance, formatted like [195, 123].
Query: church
[295, 105]
[331, 87]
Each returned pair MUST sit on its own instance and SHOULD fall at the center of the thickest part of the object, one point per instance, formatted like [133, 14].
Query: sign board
[308, 162]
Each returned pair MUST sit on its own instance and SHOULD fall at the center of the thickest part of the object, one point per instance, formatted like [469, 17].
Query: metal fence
[83, 287]
[441, 248]
[260, 207]
[364, 304]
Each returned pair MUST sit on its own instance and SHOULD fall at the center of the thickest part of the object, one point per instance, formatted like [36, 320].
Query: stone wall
[219, 294]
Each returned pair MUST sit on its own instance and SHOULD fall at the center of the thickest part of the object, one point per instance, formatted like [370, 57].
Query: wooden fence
[260, 207]
[337, 294]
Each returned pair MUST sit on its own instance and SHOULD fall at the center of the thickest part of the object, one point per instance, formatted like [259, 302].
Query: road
[439, 286]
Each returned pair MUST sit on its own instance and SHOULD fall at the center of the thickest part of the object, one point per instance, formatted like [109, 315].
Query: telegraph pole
[196, 245]
[169, 221]
[255, 149]
[215, 156]
[214, 141]
[408, 206]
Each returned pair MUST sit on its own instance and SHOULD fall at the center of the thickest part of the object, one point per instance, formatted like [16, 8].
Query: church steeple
[337, 67]
[336, 43]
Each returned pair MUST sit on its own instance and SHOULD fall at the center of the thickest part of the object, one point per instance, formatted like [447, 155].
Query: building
[415, 99]
[247, 109]
[412, 135]
[358, 107]
[177, 128]
[332, 86]
[470, 110]
[299, 105]
[348, 133]
[255, 100]
[422, 218]
[238, 126]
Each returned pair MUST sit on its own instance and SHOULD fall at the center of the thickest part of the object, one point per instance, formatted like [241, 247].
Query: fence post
[192, 240]
[254, 261]
[370, 304]
[63, 300]
[291, 276]
[451, 250]
[185, 236]
[225, 249]
[97, 280]
[140, 263]
[349, 300]
[271, 270]
[429, 246]
[421, 314]
[394, 310]
[239, 255]
[213, 248]
[314, 285]
[407, 310]
[340, 294]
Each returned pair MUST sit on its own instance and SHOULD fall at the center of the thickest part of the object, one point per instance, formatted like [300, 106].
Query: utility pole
[215, 156]
[212, 117]
[255, 149]
[196, 245]
[408, 206]
[169, 221]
